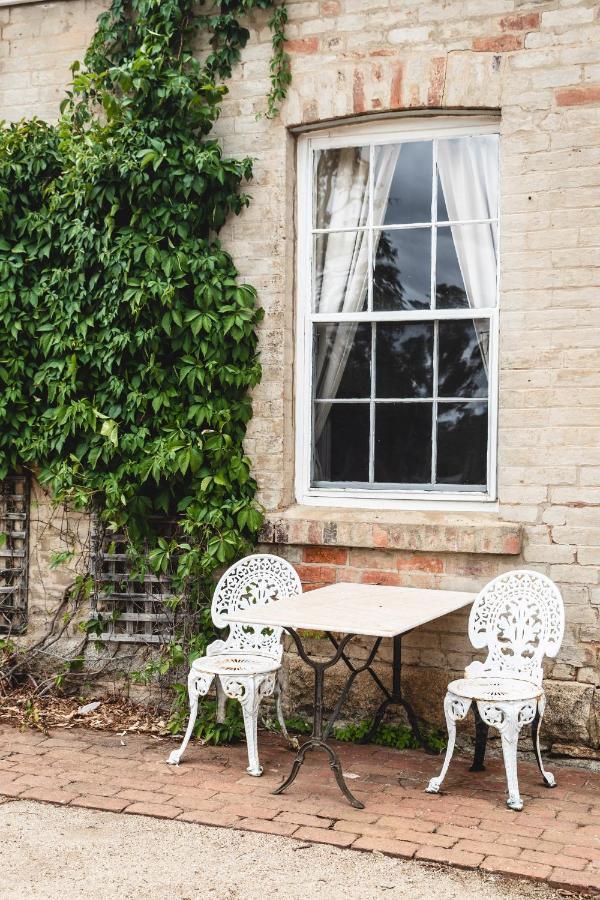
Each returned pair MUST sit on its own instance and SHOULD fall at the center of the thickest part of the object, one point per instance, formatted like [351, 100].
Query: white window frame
[362, 134]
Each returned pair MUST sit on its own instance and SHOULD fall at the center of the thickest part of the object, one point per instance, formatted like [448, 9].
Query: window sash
[377, 492]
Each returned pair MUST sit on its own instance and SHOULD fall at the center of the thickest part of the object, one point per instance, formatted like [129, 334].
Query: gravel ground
[52, 852]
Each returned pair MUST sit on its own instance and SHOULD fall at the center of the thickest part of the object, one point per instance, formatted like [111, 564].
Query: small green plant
[76, 664]
[398, 736]
[294, 724]
[207, 729]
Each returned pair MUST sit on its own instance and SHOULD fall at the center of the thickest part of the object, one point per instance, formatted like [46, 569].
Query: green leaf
[110, 430]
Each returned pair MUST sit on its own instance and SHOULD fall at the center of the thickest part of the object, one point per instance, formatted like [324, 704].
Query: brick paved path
[556, 838]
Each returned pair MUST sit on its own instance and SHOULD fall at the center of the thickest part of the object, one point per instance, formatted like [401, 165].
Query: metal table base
[320, 732]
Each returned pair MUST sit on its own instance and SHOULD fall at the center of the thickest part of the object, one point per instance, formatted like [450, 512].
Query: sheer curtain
[342, 258]
[468, 169]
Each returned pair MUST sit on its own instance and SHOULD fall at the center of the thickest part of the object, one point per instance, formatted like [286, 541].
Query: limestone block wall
[53, 530]
[537, 64]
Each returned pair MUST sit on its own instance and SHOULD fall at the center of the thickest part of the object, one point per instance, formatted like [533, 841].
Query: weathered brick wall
[538, 62]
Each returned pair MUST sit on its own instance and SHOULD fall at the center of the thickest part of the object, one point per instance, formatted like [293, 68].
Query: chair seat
[498, 688]
[236, 664]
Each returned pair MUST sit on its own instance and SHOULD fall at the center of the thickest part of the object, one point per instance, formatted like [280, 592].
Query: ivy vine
[128, 343]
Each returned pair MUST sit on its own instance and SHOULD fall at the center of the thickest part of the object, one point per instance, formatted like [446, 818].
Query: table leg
[317, 740]
[354, 671]
[396, 698]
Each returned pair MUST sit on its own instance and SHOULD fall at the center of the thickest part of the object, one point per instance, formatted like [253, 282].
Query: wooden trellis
[14, 553]
[130, 605]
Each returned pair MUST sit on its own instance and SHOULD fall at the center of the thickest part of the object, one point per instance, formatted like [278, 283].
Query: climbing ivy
[127, 340]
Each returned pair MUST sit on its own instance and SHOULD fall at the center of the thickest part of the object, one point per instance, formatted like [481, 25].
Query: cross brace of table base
[320, 733]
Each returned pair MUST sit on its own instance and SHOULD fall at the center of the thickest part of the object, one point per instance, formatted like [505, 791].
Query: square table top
[350, 608]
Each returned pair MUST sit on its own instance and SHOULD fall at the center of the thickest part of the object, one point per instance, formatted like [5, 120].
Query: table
[351, 609]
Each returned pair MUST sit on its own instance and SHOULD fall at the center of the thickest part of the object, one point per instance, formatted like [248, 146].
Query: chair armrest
[215, 648]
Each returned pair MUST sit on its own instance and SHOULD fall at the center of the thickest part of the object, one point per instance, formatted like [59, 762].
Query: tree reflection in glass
[349, 375]
[404, 353]
[462, 443]
[402, 271]
[462, 360]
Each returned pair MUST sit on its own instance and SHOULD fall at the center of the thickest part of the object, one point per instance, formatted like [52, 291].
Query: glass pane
[467, 185]
[340, 271]
[342, 359]
[462, 443]
[402, 273]
[450, 290]
[442, 212]
[404, 354]
[403, 170]
[463, 358]
[403, 443]
[466, 266]
[341, 195]
[341, 436]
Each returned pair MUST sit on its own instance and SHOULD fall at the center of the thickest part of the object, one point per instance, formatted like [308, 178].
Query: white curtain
[342, 259]
[468, 170]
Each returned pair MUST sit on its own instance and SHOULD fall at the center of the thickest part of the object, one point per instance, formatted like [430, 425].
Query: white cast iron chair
[246, 666]
[520, 618]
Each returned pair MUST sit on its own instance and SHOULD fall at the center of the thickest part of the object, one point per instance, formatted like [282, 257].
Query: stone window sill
[426, 532]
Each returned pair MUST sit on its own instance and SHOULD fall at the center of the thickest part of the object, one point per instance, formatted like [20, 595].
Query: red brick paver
[556, 838]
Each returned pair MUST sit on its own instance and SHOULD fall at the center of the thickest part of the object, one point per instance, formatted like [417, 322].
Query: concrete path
[59, 853]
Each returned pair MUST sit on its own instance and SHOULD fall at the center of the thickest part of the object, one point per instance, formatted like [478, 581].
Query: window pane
[341, 442]
[342, 359]
[468, 178]
[442, 212]
[341, 187]
[406, 170]
[404, 354]
[450, 290]
[466, 266]
[403, 443]
[462, 443]
[402, 274]
[340, 271]
[463, 348]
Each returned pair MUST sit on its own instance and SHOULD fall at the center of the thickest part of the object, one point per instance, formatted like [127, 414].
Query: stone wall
[537, 62]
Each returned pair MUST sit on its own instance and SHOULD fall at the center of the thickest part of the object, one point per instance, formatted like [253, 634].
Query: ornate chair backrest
[520, 618]
[254, 580]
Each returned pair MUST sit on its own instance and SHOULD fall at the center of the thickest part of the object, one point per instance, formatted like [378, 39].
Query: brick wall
[538, 62]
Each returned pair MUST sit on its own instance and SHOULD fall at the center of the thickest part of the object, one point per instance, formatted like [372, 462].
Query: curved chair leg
[250, 690]
[549, 779]
[250, 712]
[455, 708]
[509, 717]
[481, 736]
[198, 685]
[510, 737]
[221, 701]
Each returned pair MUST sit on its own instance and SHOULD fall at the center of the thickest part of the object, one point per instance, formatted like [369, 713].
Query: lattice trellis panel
[14, 553]
[131, 606]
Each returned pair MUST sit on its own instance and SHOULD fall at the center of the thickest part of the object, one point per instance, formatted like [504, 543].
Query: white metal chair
[246, 666]
[520, 618]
